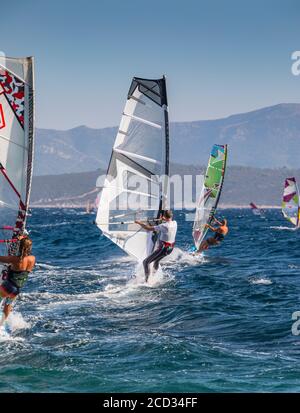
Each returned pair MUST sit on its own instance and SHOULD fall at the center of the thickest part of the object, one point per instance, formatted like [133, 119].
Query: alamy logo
[296, 65]
[133, 192]
[296, 324]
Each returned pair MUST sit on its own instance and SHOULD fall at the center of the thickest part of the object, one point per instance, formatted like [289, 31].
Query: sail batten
[130, 191]
[14, 143]
[155, 125]
[133, 186]
[210, 192]
[145, 158]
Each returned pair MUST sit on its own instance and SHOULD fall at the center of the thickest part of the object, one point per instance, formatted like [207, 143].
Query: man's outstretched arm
[147, 227]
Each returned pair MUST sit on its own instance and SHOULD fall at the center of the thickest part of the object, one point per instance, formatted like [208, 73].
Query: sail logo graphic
[2, 120]
[296, 65]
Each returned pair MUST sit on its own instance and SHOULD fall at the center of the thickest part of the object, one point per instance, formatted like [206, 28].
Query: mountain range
[264, 138]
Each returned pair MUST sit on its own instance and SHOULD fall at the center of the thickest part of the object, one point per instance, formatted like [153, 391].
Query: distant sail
[210, 193]
[88, 208]
[290, 202]
[140, 154]
[256, 210]
[16, 147]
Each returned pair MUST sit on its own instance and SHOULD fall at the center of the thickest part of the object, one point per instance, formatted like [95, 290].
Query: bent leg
[147, 261]
[203, 246]
[2, 317]
[7, 309]
[8, 306]
[164, 253]
[158, 259]
[207, 243]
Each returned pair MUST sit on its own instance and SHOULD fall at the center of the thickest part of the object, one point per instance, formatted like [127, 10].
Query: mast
[164, 190]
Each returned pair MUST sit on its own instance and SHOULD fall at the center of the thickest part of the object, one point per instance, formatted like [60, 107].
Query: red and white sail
[16, 146]
[291, 201]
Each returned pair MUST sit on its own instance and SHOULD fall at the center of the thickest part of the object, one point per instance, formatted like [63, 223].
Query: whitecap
[16, 321]
[281, 228]
[262, 281]
[182, 257]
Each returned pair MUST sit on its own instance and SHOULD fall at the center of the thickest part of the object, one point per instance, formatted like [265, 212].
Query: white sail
[16, 146]
[133, 188]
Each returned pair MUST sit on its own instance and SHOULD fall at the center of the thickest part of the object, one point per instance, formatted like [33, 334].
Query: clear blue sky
[220, 57]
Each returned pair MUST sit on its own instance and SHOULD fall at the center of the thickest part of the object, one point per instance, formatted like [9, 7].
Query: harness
[218, 236]
[168, 244]
[17, 278]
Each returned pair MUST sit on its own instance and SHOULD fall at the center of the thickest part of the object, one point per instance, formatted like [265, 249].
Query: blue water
[223, 323]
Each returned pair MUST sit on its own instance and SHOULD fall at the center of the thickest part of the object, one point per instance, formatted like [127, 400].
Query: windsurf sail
[88, 208]
[136, 183]
[16, 147]
[256, 210]
[253, 206]
[291, 202]
[210, 193]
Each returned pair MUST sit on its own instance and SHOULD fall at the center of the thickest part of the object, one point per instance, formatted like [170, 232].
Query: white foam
[45, 266]
[16, 321]
[13, 323]
[263, 281]
[155, 278]
[56, 224]
[4, 335]
[184, 257]
[281, 228]
[136, 285]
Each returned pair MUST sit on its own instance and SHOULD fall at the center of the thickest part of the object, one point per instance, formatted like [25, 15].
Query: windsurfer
[220, 233]
[17, 274]
[167, 234]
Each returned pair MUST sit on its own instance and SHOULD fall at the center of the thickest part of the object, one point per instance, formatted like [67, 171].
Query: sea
[223, 322]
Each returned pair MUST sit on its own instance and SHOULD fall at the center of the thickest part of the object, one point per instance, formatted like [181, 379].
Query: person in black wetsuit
[16, 276]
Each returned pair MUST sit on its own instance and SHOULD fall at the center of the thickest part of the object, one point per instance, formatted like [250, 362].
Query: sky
[219, 57]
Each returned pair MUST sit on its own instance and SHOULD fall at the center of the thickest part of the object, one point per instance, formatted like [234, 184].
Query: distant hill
[241, 186]
[264, 138]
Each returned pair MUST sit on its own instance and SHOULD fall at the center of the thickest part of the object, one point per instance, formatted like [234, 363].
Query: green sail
[210, 193]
